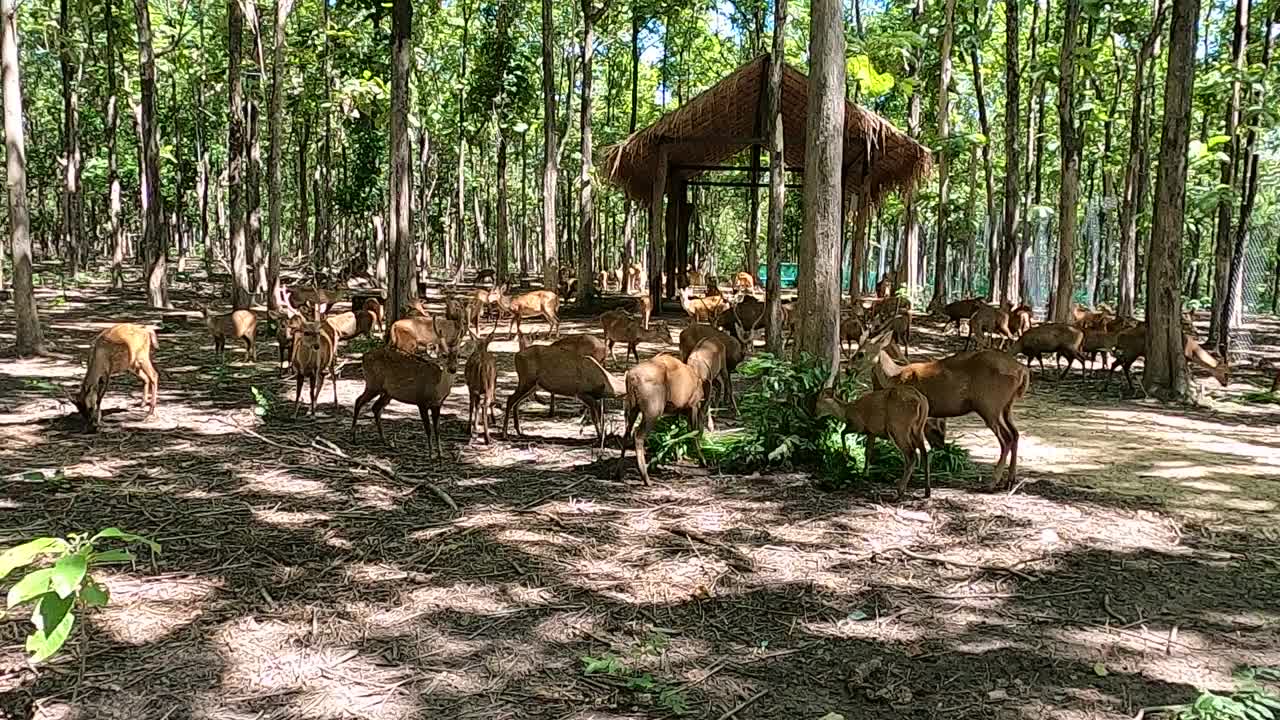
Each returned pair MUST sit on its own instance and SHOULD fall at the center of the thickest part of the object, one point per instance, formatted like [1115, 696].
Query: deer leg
[435, 432]
[297, 396]
[471, 416]
[355, 411]
[333, 380]
[513, 407]
[1011, 431]
[317, 384]
[997, 429]
[486, 408]
[632, 412]
[908, 451]
[378, 406]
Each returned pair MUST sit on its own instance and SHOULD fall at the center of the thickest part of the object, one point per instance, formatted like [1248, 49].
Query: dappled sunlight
[143, 611]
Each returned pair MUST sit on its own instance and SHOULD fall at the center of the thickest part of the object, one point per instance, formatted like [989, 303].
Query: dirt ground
[1139, 561]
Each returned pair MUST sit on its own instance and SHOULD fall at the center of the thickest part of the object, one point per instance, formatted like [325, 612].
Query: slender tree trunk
[253, 150]
[71, 240]
[154, 238]
[909, 265]
[1133, 169]
[968, 271]
[303, 208]
[324, 193]
[504, 212]
[1012, 193]
[1069, 153]
[944, 162]
[1220, 323]
[283, 8]
[586, 198]
[1166, 367]
[29, 337]
[241, 291]
[823, 185]
[984, 124]
[550, 152]
[113, 170]
[401, 222]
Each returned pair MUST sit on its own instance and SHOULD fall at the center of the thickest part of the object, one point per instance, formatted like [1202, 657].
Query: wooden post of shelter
[675, 209]
[655, 230]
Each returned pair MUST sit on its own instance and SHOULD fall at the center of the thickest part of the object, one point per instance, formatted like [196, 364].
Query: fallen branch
[960, 563]
[325, 446]
[742, 705]
[1150, 709]
[528, 506]
[737, 560]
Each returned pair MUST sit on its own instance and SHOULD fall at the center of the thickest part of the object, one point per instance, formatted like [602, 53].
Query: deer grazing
[898, 413]
[562, 372]
[123, 347]
[539, 303]
[702, 310]
[1064, 340]
[236, 325]
[986, 382]
[390, 374]
[1131, 344]
[620, 327]
[961, 310]
[314, 353]
[656, 387]
[728, 352]
[481, 373]
[988, 319]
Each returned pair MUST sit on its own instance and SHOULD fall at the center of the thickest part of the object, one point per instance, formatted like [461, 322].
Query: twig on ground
[1106, 605]
[742, 705]
[959, 563]
[325, 446]
[528, 506]
[737, 560]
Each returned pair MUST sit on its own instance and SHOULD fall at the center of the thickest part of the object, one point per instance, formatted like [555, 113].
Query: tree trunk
[154, 238]
[28, 335]
[967, 271]
[1166, 366]
[909, 265]
[253, 177]
[1069, 154]
[403, 288]
[1133, 170]
[586, 199]
[944, 162]
[283, 8]
[823, 184]
[241, 292]
[71, 239]
[117, 239]
[324, 193]
[1012, 193]
[984, 124]
[1220, 322]
[550, 152]
[303, 207]
[504, 212]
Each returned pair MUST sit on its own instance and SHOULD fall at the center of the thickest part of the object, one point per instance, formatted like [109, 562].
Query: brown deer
[562, 372]
[539, 303]
[656, 387]
[961, 310]
[643, 308]
[437, 334]
[1131, 344]
[236, 325]
[1020, 319]
[390, 374]
[898, 414]
[744, 282]
[481, 373]
[986, 382]
[123, 347]
[702, 310]
[1066, 341]
[988, 319]
[314, 353]
[733, 354]
[621, 327]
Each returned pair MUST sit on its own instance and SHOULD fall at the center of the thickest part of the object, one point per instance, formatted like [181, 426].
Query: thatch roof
[717, 124]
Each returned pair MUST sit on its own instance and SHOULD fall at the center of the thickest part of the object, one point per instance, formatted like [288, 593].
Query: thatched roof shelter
[728, 117]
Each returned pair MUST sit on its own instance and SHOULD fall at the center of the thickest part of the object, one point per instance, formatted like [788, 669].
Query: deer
[439, 334]
[743, 318]
[887, 284]
[354, 323]
[318, 298]
[659, 386]
[621, 327]
[123, 347]
[1020, 319]
[481, 373]
[562, 372]
[236, 325]
[539, 303]
[744, 282]
[898, 413]
[961, 310]
[851, 332]
[643, 307]
[390, 374]
[695, 276]
[633, 272]
[710, 360]
[704, 309]
[986, 382]
[314, 353]
[1131, 344]
[988, 319]
[1098, 341]
[1065, 340]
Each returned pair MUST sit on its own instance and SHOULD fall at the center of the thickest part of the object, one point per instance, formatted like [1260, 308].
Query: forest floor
[1139, 561]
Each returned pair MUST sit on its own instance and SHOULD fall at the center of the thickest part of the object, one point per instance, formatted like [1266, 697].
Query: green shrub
[1251, 700]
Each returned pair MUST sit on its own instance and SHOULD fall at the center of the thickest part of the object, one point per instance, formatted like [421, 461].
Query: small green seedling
[53, 591]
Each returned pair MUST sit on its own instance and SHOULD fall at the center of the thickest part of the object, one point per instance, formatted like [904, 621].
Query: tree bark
[910, 264]
[113, 170]
[944, 162]
[71, 202]
[586, 200]
[1219, 323]
[1165, 373]
[1069, 154]
[154, 237]
[28, 335]
[504, 212]
[303, 237]
[550, 152]
[984, 124]
[241, 292]
[253, 172]
[820, 237]
[1011, 230]
[283, 8]
[403, 288]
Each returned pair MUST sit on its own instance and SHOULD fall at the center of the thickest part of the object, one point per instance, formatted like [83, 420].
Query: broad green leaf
[27, 552]
[30, 587]
[67, 574]
[50, 610]
[1100, 669]
[112, 532]
[94, 595]
[44, 643]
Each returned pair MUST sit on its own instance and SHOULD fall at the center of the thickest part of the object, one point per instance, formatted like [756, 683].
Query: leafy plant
[53, 591]
[1260, 397]
[649, 689]
[1251, 700]
[364, 344]
[264, 404]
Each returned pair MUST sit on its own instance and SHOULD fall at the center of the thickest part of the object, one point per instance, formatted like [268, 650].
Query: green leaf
[1100, 669]
[27, 552]
[67, 574]
[112, 556]
[94, 595]
[30, 587]
[44, 643]
[117, 533]
[49, 610]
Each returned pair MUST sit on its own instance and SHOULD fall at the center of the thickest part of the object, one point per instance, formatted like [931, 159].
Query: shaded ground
[1141, 560]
